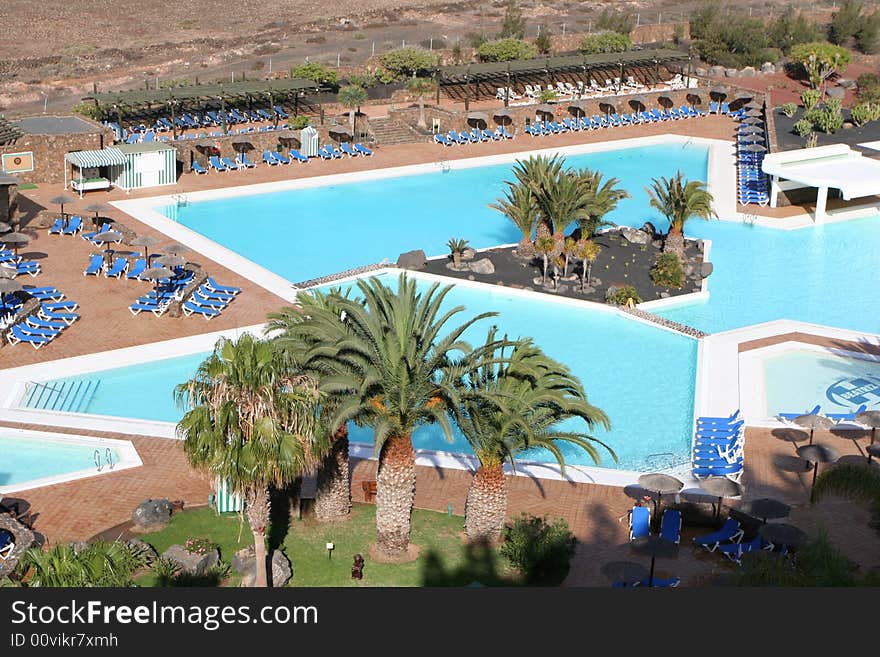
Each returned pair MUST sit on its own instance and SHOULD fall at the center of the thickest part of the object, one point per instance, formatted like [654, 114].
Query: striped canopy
[102, 158]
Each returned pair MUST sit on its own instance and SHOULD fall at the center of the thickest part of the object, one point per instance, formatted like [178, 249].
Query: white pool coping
[128, 457]
[721, 385]
[720, 160]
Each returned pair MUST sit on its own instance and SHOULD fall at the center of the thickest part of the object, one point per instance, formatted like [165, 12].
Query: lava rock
[706, 269]
[468, 254]
[748, 72]
[634, 236]
[244, 562]
[716, 71]
[192, 564]
[144, 548]
[482, 266]
[150, 515]
[767, 67]
[649, 228]
[412, 259]
[731, 72]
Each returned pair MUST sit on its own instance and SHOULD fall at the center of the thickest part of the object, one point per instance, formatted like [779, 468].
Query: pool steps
[70, 397]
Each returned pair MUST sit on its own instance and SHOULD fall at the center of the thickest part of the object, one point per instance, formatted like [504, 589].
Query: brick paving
[79, 510]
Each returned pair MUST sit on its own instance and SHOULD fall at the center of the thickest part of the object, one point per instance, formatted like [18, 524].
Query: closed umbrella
[721, 487]
[61, 199]
[176, 249]
[780, 533]
[813, 421]
[145, 241]
[661, 484]
[767, 508]
[817, 454]
[626, 573]
[655, 547]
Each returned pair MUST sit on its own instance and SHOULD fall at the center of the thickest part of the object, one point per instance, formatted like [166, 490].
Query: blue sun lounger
[215, 163]
[67, 318]
[281, 159]
[230, 164]
[57, 304]
[198, 168]
[502, 131]
[730, 532]
[440, 139]
[639, 522]
[734, 551]
[18, 334]
[847, 417]
[96, 263]
[190, 308]
[57, 226]
[44, 293]
[37, 322]
[208, 293]
[659, 582]
[89, 236]
[719, 420]
[243, 161]
[670, 526]
[216, 287]
[118, 268]
[791, 416]
[269, 159]
[346, 148]
[138, 268]
[299, 157]
[74, 225]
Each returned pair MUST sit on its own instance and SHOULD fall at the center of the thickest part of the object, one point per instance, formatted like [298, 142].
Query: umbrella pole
[871, 456]
[813, 485]
[651, 574]
[718, 510]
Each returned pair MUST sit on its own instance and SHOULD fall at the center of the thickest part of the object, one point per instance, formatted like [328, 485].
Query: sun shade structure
[780, 533]
[661, 484]
[767, 508]
[626, 573]
[817, 454]
[721, 487]
[655, 547]
[170, 261]
[869, 419]
[89, 159]
[813, 422]
[836, 166]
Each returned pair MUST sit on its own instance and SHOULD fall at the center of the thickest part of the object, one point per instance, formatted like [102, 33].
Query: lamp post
[330, 547]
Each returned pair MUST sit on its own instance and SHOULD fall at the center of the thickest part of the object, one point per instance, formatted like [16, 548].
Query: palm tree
[560, 197]
[679, 200]
[586, 251]
[421, 87]
[97, 564]
[602, 198]
[518, 205]
[352, 97]
[511, 405]
[251, 423]
[457, 247]
[333, 488]
[545, 246]
[388, 360]
[568, 247]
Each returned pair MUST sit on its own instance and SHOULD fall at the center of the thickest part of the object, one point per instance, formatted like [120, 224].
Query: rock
[657, 244]
[482, 266]
[649, 228]
[767, 67]
[144, 548]
[847, 125]
[689, 270]
[468, 254]
[595, 281]
[412, 259]
[846, 83]
[716, 71]
[192, 564]
[588, 290]
[634, 236]
[150, 515]
[471, 277]
[748, 72]
[731, 72]
[700, 71]
[706, 269]
[610, 291]
[664, 295]
[244, 563]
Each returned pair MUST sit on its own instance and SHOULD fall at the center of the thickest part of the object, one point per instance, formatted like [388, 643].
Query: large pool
[620, 362]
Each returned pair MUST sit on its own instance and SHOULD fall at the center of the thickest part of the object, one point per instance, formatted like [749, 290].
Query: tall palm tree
[421, 87]
[511, 405]
[97, 564]
[333, 490]
[352, 97]
[679, 200]
[518, 205]
[251, 423]
[586, 251]
[394, 362]
[558, 198]
[601, 199]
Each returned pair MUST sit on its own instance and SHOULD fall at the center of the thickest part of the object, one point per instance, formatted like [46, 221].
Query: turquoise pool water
[306, 233]
[26, 459]
[617, 359]
[803, 378]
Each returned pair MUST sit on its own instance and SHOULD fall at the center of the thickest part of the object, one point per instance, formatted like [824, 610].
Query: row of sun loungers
[188, 120]
[273, 158]
[475, 136]
[718, 447]
[597, 121]
[66, 225]
[670, 530]
[838, 418]
[209, 299]
[48, 322]
[9, 259]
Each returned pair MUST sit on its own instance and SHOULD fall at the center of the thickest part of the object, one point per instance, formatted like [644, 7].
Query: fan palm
[557, 196]
[97, 564]
[421, 87]
[679, 200]
[518, 205]
[511, 405]
[393, 362]
[352, 97]
[251, 423]
[601, 199]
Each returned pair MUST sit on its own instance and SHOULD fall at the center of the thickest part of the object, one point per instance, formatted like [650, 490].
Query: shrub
[667, 271]
[605, 42]
[505, 50]
[362, 80]
[788, 109]
[811, 141]
[869, 87]
[865, 112]
[616, 21]
[868, 38]
[620, 296]
[514, 25]
[541, 551]
[199, 545]
[543, 42]
[820, 60]
[810, 98]
[803, 127]
[89, 110]
[548, 96]
[298, 122]
[316, 72]
[408, 61]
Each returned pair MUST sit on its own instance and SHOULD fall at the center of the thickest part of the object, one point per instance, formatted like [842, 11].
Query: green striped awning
[103, 158]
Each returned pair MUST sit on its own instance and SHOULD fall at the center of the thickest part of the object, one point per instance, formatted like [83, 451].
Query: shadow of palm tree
[478, 568]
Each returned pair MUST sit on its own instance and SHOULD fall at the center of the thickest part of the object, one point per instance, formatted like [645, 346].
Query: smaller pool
[32, 459]
[797, 378]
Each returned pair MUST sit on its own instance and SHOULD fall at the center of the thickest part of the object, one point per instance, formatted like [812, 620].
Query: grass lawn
[444, 560]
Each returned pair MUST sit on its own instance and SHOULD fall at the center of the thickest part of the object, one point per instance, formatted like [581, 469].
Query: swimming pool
[32, 459]
[791, 378]
[305, 233]
[610, 353]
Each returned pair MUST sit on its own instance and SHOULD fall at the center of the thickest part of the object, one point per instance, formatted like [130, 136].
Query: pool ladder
[444, 164]
[108, 458]
[69, 396]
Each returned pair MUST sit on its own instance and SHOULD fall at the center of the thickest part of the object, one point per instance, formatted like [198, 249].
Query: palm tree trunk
[543, 229]
[565, 269]
[526, 249]
[674, 243]
[257, 510]
[395, 494]
[584, 275]
[486, 504]
[351, 121]
[333, 496]
[589, 272]
[544, 280]
[422, 123]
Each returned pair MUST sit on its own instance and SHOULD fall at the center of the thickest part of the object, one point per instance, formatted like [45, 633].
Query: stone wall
[49, 151]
